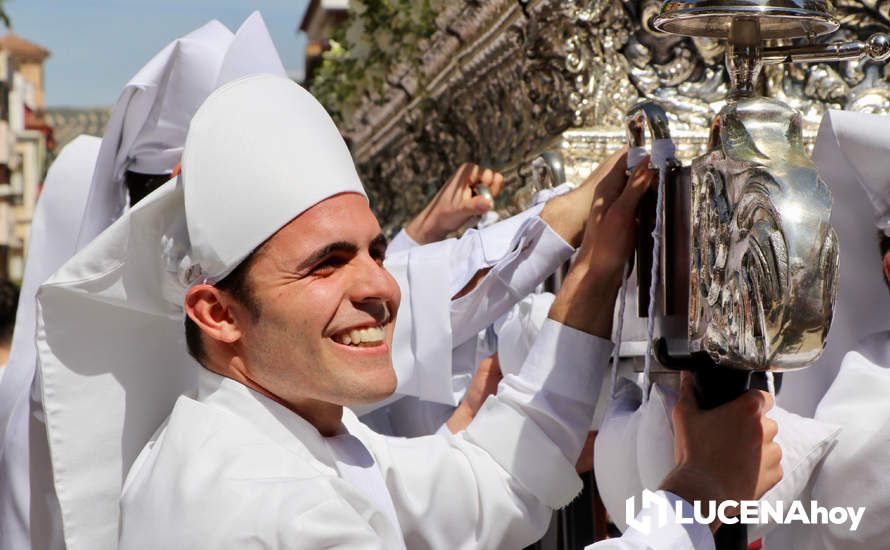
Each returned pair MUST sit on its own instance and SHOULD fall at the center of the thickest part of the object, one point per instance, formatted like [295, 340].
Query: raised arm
[495, 484]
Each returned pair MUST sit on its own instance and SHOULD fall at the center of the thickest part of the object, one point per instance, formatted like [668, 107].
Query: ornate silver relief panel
[763, 267]
[508, 79]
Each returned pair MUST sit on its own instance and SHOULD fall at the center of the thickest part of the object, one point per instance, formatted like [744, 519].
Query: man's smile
[361, 337]
[366, 340]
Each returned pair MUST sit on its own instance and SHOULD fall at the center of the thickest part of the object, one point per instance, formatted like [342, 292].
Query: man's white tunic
[232, 468]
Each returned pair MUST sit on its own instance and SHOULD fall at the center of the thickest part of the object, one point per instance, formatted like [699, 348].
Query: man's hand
[587, 298]
[485, 382]
[726, 453]
[454, 204]
[567, 214]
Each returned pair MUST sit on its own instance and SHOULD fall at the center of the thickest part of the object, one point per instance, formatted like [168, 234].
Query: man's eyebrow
[325, 251]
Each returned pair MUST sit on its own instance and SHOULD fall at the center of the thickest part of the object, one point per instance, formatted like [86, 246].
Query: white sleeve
[662, 535]
[401, 242]
[521, 252]
[542, 415]
[495, 484]
[518, 262]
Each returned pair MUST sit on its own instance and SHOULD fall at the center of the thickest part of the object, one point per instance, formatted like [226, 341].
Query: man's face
[327, 308]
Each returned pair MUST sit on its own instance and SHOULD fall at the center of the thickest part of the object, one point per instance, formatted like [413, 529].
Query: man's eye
[328, 266]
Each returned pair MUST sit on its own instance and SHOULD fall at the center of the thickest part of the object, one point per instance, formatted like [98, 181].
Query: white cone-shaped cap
[260, 151]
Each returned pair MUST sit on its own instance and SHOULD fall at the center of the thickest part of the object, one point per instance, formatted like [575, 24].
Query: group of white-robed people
[292, 316]
[266, 246]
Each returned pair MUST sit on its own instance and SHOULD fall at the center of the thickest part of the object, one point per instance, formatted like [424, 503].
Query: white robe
[232, 466]
[234, 469]
[855, 472]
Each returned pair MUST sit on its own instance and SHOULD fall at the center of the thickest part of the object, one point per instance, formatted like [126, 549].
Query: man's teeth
[362, 336]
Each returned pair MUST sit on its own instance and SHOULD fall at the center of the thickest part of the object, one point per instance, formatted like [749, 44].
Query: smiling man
[267, 243]
[259, 328]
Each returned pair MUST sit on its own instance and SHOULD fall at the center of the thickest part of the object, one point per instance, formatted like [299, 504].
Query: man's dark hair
[236, 285]
[884, 244]
[140, 185]
[9, 302]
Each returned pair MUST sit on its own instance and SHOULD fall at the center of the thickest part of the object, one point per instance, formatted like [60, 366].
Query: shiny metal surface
[876, 48]
[560, 74]
[548, 170]
[764, 259]
[778, 18]
[482, 189]
[645, 122]
[646, 116]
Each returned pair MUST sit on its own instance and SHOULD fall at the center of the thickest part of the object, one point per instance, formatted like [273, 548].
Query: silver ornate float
[763, 259]
[504, 80]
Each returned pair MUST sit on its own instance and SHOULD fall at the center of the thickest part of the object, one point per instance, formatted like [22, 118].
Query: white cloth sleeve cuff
[536, 252]
[542, 415]
[481, 248]
[443, 430]
[545, 195]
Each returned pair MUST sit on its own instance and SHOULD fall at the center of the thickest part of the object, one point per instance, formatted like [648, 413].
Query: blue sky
[98, 45]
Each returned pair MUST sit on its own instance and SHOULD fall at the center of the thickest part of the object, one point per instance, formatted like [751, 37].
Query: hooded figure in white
[85, 192]
[232, 464]
[845, 153]
[27, 501]
[853, 150]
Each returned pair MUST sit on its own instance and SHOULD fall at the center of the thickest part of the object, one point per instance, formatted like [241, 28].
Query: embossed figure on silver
[763, 273]
[764, 258]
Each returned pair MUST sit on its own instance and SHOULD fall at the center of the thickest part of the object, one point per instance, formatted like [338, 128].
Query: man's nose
[375, 291]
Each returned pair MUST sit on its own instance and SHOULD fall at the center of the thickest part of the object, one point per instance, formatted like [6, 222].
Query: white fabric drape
[27, 501]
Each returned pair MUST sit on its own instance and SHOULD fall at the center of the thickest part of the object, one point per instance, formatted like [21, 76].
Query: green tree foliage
[4, 17]
[378, 39]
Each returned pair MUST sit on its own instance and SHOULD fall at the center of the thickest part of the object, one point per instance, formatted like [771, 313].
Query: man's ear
[211, 310]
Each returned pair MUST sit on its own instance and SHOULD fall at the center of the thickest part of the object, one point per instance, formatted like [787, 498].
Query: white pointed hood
[147, 127]
[863, 143]
[52, 238]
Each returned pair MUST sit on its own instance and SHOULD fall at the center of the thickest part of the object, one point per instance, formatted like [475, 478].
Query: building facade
[321, 16]
[26, 140]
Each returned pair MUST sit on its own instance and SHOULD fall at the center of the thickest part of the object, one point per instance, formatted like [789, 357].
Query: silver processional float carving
[751, 214]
